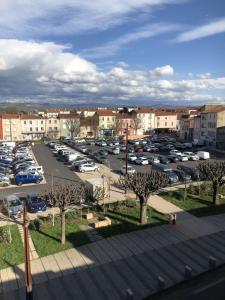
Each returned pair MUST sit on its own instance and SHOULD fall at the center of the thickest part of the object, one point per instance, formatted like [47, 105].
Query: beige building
[104, 122]
[52, 128]
[86, 127]
[165, 121]
[10, 128]
[32, 127]
[146, 120]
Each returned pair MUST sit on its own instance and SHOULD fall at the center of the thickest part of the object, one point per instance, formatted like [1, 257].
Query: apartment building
[54, 112]
[212, 117]
[124, 121]
[69, 125]
[10, 127]
[165, 121]
[52, 128]
[220, 138]
[86, 127]
[32, 127]
[146, 120]
[186, 124]
[103, 122]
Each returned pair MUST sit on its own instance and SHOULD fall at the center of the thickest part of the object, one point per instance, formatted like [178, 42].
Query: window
[42, 128]
[172, 123]
[30, 128]
[36, 128]
[25, 122]
[107, 118]
[49, 122]
[42, 122]
[30, 122]
[165, 123]
[50, 128]
[56, 128]
[55, 121]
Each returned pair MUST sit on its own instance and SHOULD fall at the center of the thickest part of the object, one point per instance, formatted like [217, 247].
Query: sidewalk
[144, 261]
[186, 222]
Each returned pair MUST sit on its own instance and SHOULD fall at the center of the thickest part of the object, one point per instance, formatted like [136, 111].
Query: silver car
[13, 205]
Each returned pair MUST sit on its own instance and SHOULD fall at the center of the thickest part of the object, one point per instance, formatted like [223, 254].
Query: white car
[191, 156]
[182, 157]
[130, 170]
[132, 157]
[174, 151]
[141, 161]
[88, 167]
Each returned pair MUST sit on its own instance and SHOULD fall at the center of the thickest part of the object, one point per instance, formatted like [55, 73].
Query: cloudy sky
[112, 52]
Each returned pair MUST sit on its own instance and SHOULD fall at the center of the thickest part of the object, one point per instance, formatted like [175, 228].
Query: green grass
[12, 254]
[126, 218]
[199, 206]
[47, 240]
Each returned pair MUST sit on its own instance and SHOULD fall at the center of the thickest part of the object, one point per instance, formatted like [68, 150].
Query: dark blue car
[27, 178]
[35, 204]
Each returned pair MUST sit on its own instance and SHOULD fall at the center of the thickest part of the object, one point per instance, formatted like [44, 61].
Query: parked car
[130, 170]
[173, 158]
[182, 157]
[4, 182]
[203, 155]
[173, 178]
[102, 159]
[193, 171]
[130, 149]
[13, 205]
[191, 155]
[183, 177]
[114, 150]
[132, 157]
[139, 149]
[35, 204]
[103, 152]
[5, 171]
[142, 161]
[22, 178]
[164, 160]
[153, 160]
[83, 149]
[88, 167]
[174, 151]
[147, 148]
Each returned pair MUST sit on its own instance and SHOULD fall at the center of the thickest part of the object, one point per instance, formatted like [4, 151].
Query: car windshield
[14, 203]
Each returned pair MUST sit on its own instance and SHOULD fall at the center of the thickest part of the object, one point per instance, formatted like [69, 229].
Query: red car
[139, 149]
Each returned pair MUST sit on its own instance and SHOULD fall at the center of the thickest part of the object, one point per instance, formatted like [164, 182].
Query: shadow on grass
[114, 215]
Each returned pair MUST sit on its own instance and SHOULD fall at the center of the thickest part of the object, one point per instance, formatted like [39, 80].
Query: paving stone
[38, 271]
[76, 259]
[88, 256]
[51, 267]
[64, 263]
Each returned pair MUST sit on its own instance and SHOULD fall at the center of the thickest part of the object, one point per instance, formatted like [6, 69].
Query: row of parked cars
[72, 155]
[17, 164]
[13, 205]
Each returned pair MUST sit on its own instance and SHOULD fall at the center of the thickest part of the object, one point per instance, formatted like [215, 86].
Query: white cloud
[23, 18]
[43, 71]
[112, 47]
[204, 75]
[202, 31]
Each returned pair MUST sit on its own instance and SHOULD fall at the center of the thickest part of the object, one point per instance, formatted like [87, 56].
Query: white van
[31, 169]
[203, 155]
[71, 157]
[8, 144]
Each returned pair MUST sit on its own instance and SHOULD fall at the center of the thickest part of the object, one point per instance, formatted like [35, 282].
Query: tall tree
[73, 126]
[143, 185]
[64, 196]
[117, 126]
[214, 171]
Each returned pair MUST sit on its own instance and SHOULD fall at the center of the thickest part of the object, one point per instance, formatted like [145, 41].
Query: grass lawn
[47, 239]
[12, 254]
[126, 218]
[199, 206]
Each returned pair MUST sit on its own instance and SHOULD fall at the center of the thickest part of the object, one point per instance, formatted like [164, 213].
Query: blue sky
[130, 51]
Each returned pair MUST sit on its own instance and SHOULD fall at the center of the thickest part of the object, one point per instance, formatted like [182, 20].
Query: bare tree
[118, 125]
[215, 172]
[62, 197]
[143, 185]
[73, 126]
[137, 124]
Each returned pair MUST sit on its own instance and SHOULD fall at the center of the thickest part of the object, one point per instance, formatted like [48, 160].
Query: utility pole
[10, 128]
[28, 278]
[126, 147]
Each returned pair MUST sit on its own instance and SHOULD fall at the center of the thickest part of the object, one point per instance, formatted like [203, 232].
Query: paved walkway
[144, 261]
[186, 222]
[91, 233]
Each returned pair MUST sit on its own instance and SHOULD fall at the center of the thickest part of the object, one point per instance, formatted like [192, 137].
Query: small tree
[73, 126]
[62, 197]
[215, 172]
[118, 125]
[143, 185]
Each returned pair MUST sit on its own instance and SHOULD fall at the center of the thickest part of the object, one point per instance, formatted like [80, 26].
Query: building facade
[165, 121]
[52, 128]
[69, 125]
[146, 120]
[10, 127]
[32, 127]
[103, 123]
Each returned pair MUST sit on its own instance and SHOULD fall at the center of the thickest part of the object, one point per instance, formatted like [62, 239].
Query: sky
[117, 52]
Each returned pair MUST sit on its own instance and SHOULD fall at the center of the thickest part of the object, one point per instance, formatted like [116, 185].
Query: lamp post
[126, 147]
[28, 278]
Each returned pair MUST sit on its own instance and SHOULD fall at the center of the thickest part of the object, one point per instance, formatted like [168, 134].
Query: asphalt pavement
[55, 172]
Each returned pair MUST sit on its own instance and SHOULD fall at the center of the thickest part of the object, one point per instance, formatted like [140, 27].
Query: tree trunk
[215, 192]
[63, 227]
[143, 212]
